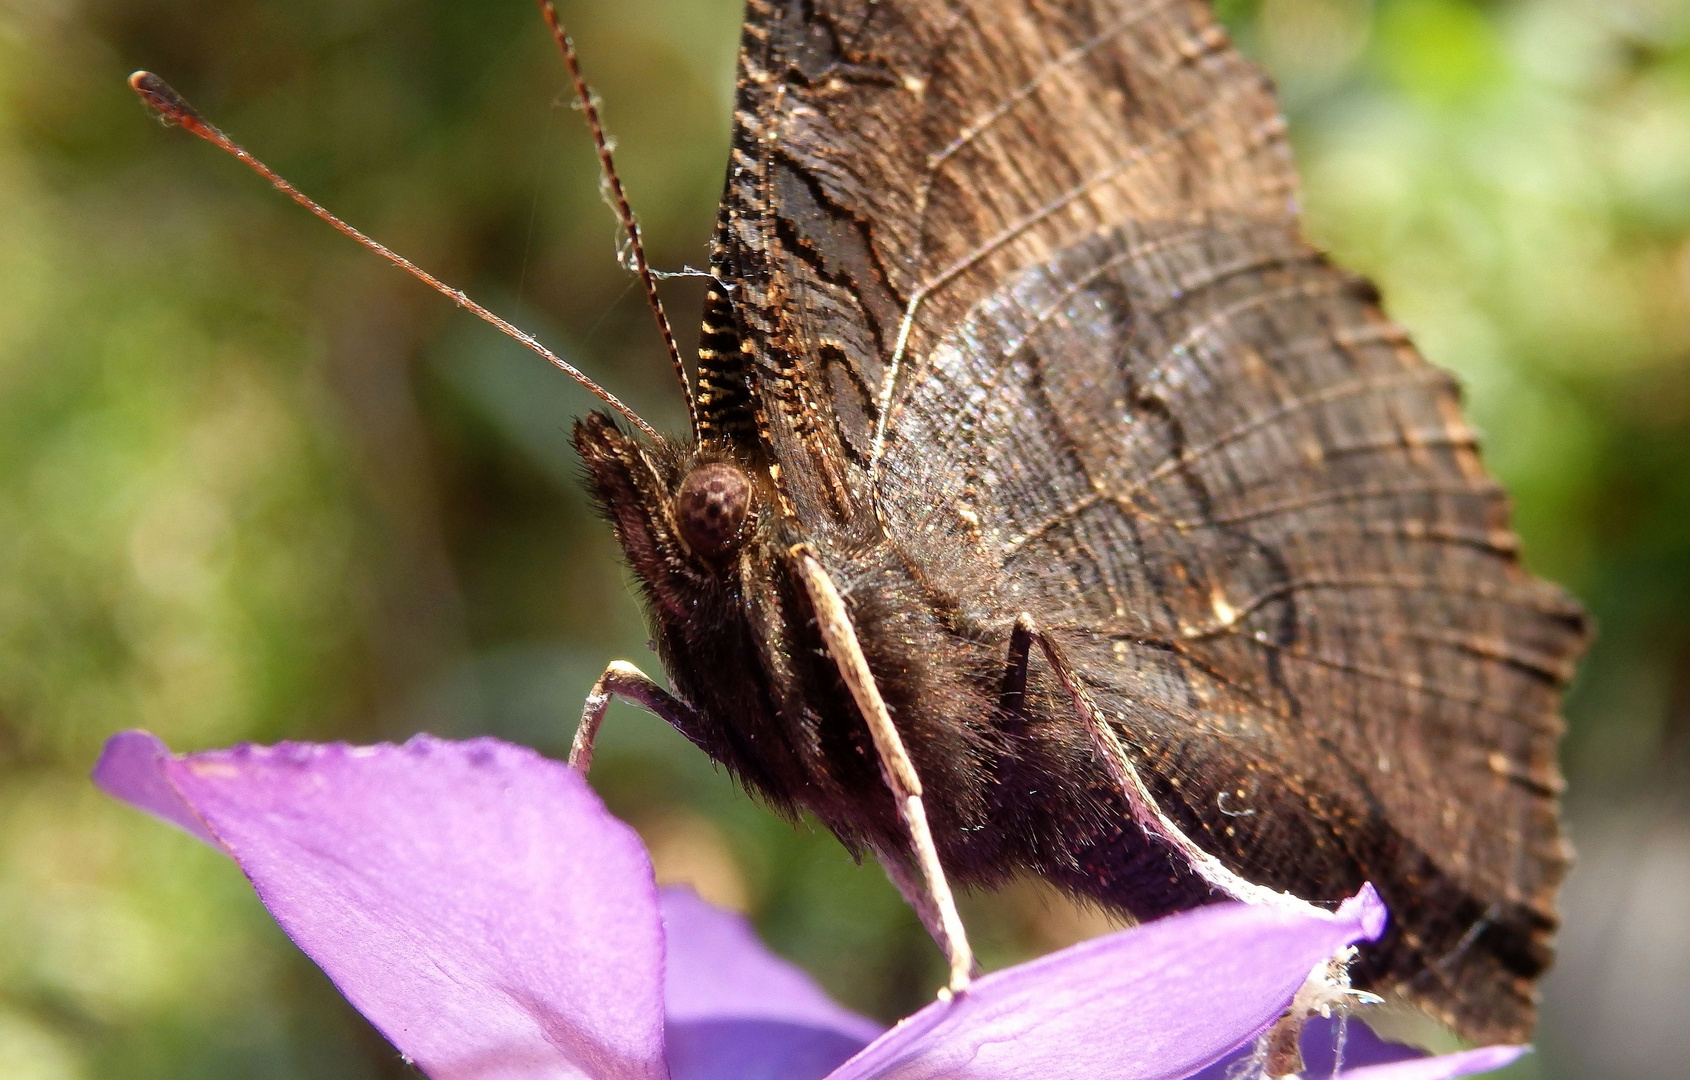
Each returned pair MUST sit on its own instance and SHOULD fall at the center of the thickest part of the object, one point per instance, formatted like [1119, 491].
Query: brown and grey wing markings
[1026, 277]
[903, 155]
[1199, 456]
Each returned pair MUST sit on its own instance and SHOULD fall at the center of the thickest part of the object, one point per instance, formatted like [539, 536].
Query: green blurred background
[255, 484]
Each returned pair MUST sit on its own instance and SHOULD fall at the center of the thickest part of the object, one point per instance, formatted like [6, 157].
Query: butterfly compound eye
[711, 508]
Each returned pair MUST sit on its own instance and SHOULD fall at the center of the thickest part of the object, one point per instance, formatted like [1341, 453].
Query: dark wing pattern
[1032, 271]
[915, 153]
[1250, 511]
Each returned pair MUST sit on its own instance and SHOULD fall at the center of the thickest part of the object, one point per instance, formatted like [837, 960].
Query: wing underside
[1026, 279]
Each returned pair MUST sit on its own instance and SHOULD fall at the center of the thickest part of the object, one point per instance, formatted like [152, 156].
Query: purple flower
[479, 904]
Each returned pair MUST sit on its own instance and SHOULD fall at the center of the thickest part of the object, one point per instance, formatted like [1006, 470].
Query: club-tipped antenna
[174, 109]
[619, 203]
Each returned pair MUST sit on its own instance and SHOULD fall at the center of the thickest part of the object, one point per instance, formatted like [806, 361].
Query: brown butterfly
[1051, 506]
[1173, 564]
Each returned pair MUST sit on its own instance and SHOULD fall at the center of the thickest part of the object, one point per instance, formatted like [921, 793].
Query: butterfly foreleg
[624, 680]
[840, 638]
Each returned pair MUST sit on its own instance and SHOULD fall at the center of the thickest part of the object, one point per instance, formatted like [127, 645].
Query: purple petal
[1366, 1055]
[1320, 1050]
[1360, 1047]
[1157, 1002]
[1447, 1067]
[132, 767]
[738, 1012]
[474, 900]
[717, 967]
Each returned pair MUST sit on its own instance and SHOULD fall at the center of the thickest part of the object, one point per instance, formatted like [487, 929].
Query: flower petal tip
[122, 753]
[134, 767]
[475, 900]
[1368, 909]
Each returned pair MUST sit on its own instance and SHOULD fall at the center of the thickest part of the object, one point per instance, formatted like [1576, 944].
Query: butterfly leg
[841, 640]
[1326, 987]
[908, 882]
[624, 680]
[1150, 816]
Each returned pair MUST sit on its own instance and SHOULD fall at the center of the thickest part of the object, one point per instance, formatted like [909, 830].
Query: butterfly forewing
[895, 153]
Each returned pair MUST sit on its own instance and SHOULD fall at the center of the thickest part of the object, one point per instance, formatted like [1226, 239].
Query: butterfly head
[711, 508]
[681, 517]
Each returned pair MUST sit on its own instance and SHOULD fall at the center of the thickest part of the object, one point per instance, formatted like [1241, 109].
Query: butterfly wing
[1253, 518]
[894, 158]
[1028, 277]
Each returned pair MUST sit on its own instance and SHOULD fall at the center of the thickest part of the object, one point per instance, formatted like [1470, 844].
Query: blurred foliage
[256, 485]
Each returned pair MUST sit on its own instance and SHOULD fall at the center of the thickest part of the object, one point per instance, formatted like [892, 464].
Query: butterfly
[1050, 506]
[1171, 562]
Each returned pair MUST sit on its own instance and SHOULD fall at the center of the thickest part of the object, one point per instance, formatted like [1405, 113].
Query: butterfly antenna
[619, 203]
[174, 109]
